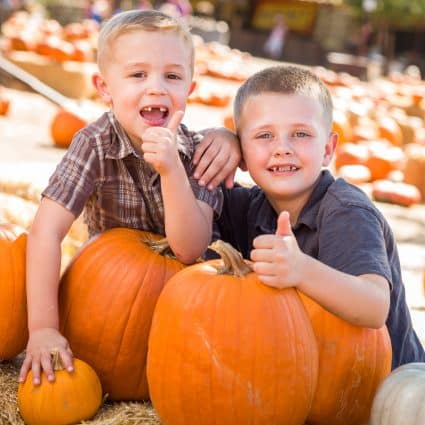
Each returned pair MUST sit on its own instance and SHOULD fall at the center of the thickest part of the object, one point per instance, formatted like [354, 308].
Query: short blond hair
[141, 20]
[285, 80]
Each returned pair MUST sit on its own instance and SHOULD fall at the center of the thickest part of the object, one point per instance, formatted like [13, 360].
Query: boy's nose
[282, 147]
[155, 86]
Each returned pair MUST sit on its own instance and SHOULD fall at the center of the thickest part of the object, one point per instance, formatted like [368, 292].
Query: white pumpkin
[400, 399]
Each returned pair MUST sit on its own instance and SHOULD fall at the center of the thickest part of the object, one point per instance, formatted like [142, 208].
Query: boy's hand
[277, 258]
[42, 342]
[159, 145]
[217, 158]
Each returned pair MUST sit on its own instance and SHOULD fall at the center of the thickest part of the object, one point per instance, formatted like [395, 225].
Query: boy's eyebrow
[147, 64]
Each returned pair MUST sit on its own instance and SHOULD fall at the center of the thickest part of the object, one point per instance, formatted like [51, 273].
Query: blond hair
[140, 20]
[285, 80]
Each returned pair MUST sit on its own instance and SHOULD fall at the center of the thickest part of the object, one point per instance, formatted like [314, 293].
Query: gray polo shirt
[340, 227]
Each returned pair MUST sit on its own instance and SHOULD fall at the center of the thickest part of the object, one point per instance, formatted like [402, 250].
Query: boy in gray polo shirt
[131, 168]
[300, 226]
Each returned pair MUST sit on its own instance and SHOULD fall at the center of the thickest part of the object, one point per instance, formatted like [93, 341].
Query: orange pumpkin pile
[72, 42]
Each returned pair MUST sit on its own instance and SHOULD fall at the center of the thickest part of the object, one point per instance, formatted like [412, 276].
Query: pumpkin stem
[234, 264]
[57, 361]
[161, 247]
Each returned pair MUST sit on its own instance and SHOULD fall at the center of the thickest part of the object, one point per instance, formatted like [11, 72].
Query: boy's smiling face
[285, 142]
[146, 78]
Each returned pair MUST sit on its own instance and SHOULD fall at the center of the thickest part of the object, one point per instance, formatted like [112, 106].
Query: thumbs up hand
[159, 145]
[277, 258]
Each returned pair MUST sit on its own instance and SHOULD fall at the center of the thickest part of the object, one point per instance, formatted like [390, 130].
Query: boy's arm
[188, 222]
[361, 300]
[217, 158]
[50, 226]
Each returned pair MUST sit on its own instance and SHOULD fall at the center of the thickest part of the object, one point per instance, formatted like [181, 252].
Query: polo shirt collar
[266, 217]
[122, 146]
[308, 215]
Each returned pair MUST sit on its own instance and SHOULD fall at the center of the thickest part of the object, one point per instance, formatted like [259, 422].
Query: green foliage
[397, 13]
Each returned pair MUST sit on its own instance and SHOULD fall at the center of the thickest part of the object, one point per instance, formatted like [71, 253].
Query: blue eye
[141, 74]
[264, 136]
[173, 76]
[301, 134]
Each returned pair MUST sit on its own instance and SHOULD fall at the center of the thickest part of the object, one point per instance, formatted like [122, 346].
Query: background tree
[388, 16]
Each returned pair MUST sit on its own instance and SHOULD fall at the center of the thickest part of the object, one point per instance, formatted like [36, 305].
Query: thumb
[175, 121]
[283, 224]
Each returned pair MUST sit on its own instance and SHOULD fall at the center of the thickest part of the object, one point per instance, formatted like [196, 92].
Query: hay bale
[110, 413]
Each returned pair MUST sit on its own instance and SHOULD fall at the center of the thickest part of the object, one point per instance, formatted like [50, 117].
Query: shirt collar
[266, 217]
[122, 146]
[308, 215]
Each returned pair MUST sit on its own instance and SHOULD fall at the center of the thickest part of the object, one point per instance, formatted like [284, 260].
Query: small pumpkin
[4, 106]
[383, 159]
[71, 398]
[351, 154]
[400, 397]
[414, 171]
[226, 349]
[107, 297]
[13, 325]
[395, 192]
[390, 130]
[63, 127]
[352, 363]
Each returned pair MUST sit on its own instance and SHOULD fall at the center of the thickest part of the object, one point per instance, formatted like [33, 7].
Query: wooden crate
[72, 79]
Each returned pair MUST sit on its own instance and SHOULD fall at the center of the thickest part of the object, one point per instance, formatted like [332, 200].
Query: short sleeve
[74, 179]
[352, 240]
[214, 198]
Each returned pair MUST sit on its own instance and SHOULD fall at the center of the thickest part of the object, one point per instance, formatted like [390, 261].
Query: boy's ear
[101, 87]
[192, 87]
[330, 148]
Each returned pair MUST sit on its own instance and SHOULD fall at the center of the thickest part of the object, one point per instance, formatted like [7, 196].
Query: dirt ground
[26, 151]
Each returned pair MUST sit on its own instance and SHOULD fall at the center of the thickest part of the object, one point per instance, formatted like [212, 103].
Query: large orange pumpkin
[226, 349]
[353, 361]
[13, 325]
[107, 298]
[64, 125]
[71, 398]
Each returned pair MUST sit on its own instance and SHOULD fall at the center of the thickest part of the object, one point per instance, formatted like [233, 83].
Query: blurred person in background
[144, 5]
[177, 8]
[275, 43]
[99, 10]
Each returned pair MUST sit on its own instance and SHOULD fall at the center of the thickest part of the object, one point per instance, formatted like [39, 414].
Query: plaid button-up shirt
[103, 174]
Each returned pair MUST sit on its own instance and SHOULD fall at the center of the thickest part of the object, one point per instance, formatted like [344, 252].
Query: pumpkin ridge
[189, 301]
[141, 286]
[13, 284]
[211, 371]
[238, 345]
[291, 324]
